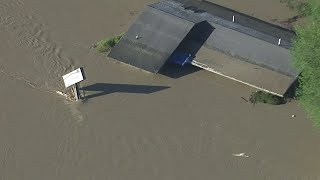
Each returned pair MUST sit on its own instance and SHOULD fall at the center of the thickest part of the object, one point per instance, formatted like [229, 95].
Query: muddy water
[167, 128]
[270, 10]
[36, 57]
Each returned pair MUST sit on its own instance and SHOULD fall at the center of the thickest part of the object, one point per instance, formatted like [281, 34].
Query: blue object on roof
[180, 58]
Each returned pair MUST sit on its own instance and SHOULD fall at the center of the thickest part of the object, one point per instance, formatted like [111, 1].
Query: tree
[263, 97]
[306, 59]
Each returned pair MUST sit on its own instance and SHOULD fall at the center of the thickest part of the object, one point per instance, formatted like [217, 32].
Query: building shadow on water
[292, 90]
[108, 88]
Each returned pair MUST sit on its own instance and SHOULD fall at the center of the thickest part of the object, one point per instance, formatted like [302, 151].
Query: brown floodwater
[179, 124]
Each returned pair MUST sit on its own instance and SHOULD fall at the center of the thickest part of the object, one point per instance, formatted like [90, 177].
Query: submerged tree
[263, 97]
[306, 59]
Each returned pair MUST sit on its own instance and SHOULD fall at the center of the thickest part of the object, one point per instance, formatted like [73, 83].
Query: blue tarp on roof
[180, 59]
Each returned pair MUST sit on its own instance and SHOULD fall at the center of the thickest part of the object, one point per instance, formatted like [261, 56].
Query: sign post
[73, 79]
[76, 91]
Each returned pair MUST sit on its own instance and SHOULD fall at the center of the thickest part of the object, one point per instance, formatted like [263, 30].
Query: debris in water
[68, 97]
[244, 99]
[240, 155]
[61, 93]
[92, 46]
[293, 115]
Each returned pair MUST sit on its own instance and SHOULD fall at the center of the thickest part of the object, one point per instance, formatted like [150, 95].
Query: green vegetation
[303, 8]
[106, 44]
[306, 59]
[263, 97]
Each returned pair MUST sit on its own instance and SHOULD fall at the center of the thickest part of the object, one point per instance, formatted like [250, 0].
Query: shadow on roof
[191, 44]
[195, 39]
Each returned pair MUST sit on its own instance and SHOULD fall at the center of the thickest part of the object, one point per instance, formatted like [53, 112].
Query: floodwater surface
[180, 124]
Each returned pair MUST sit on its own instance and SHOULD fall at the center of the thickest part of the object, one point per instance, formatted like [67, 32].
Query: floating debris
[68, 97]
[240, 155]
[61, 93]
[244, 99]
[93, 46]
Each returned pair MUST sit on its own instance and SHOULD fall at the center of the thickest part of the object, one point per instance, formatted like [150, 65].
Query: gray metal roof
[248, 39]
[209, 11]
[188, 25]
[159, 34]
[242, 71]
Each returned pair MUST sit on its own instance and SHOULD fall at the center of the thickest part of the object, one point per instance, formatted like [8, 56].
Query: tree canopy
[306, 59]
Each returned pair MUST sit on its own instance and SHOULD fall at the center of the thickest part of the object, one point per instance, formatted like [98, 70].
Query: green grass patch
[263, 97]
[106, 44]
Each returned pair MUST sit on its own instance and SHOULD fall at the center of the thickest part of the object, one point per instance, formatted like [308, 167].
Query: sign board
[73, 77]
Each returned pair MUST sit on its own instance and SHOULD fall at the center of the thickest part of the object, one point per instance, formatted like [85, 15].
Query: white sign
[73, 77]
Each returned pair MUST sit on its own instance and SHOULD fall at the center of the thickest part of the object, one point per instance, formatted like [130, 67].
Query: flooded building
[220, 40]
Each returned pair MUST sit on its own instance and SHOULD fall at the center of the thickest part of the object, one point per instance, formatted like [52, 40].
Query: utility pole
[76, 91]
